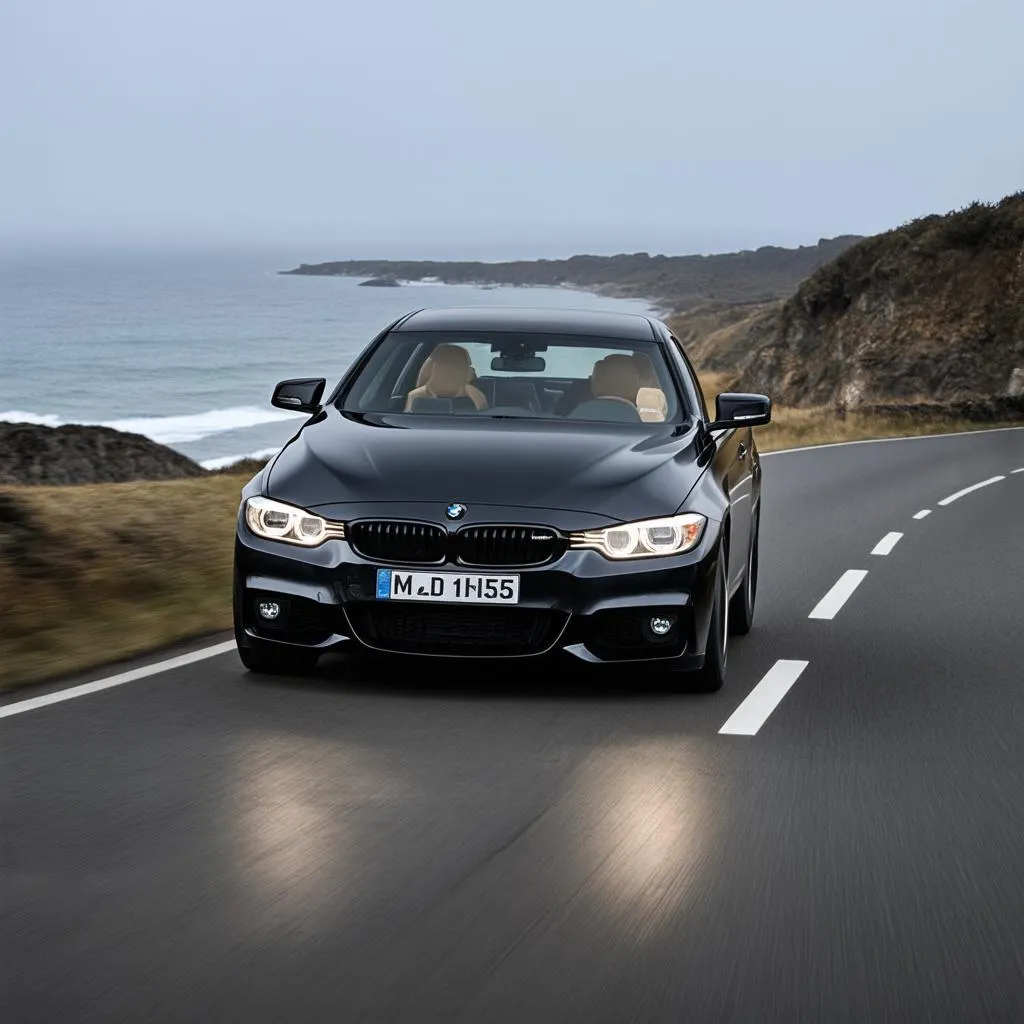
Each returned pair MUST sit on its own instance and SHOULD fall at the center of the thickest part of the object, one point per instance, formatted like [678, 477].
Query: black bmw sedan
[506, 483]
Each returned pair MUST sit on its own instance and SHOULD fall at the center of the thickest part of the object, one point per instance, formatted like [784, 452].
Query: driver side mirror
[301, 395]
[733, 409]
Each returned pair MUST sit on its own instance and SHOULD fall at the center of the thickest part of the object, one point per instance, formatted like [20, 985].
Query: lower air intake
[450, 630]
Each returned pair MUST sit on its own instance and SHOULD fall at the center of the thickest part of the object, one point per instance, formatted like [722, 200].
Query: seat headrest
[615, 376]
[449, 370]
[652, 405]
[644, 366]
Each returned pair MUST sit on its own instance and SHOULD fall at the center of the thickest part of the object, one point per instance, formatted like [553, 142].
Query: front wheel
[711, 675]
[741, 610]
[274, 661]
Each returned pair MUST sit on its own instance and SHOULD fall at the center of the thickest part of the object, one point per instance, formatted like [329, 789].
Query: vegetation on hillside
[930, 311]
[715, 334]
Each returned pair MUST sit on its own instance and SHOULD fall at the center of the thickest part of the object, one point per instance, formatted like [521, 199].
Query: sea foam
[229, 460]
[167, 429]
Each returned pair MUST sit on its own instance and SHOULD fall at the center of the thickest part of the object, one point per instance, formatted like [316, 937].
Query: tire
[711, 676]
[741, 609]
[273, 661]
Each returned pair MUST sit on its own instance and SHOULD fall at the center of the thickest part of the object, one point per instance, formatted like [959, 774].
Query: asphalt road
[198, 845]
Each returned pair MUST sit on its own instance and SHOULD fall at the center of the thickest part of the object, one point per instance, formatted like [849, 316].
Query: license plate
[455, 587]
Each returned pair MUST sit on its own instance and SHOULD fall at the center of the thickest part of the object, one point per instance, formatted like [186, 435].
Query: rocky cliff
[31, 454]
[933, 310]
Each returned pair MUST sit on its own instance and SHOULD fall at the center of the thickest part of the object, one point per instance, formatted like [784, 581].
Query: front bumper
[582, 604]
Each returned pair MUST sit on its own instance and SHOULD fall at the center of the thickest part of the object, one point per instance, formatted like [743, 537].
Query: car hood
[338, 458]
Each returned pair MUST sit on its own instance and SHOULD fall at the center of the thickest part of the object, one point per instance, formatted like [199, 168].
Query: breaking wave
[230, 460]
[167, 429]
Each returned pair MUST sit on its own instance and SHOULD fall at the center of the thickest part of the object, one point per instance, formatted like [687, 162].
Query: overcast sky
[539, 127]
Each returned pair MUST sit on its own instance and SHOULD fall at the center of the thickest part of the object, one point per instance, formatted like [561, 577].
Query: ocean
[186, 349]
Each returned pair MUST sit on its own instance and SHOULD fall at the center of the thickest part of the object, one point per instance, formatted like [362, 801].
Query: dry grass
[95, 573]
[798, 428]
[714, 383]
[101, 572]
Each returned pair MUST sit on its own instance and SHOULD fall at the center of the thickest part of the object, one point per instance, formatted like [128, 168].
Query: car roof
[598, 323]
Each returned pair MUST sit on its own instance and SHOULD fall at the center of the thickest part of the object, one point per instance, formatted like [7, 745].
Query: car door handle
[741, 450]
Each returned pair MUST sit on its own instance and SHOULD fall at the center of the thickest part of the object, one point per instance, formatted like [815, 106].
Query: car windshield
[504, 374]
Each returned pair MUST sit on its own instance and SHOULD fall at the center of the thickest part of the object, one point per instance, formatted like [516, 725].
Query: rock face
[931, 311]
[379, 282]
[31, 454]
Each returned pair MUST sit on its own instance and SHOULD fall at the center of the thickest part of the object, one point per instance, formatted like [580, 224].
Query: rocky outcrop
[932, 311]
[31, 454]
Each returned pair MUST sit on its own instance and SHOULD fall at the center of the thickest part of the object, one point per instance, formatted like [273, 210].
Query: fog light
[268, 610]
[661, 624]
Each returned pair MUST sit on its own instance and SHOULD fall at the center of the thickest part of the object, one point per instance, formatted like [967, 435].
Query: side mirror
[302, 395]
[738, 410]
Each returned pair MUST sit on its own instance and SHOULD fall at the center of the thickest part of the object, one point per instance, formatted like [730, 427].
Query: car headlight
[275, 520]
[646, 539]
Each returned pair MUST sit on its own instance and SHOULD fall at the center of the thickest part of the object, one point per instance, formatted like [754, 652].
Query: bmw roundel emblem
[456, 510]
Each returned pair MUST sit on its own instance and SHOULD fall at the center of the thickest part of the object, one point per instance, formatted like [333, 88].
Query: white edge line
[884, 440]
[763, 699]
[21, 706]
[923, 513]
[886, 544]
[842, 590]
[967, 490]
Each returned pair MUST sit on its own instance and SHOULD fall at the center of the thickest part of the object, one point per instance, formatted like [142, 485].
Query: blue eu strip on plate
[383, 583]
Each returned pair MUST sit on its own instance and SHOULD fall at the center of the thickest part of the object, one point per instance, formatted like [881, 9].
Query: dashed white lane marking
[973, 487]
[828, 607]
[886, 544]
[923, 513]
[763, 699]
[1021, 470]
[21, 706]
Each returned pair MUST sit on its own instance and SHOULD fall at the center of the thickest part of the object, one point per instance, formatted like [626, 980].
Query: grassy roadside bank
[798, 428]
[95, 573]
[99, 572]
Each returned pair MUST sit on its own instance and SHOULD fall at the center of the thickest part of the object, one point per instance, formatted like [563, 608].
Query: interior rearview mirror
[518, 364]
[733, 409]
[301, 395]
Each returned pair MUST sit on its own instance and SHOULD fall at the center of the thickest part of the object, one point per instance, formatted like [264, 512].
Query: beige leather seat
[446, 374]
[652, 405]
[424, 375]
[644, 366]
[615, 376]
